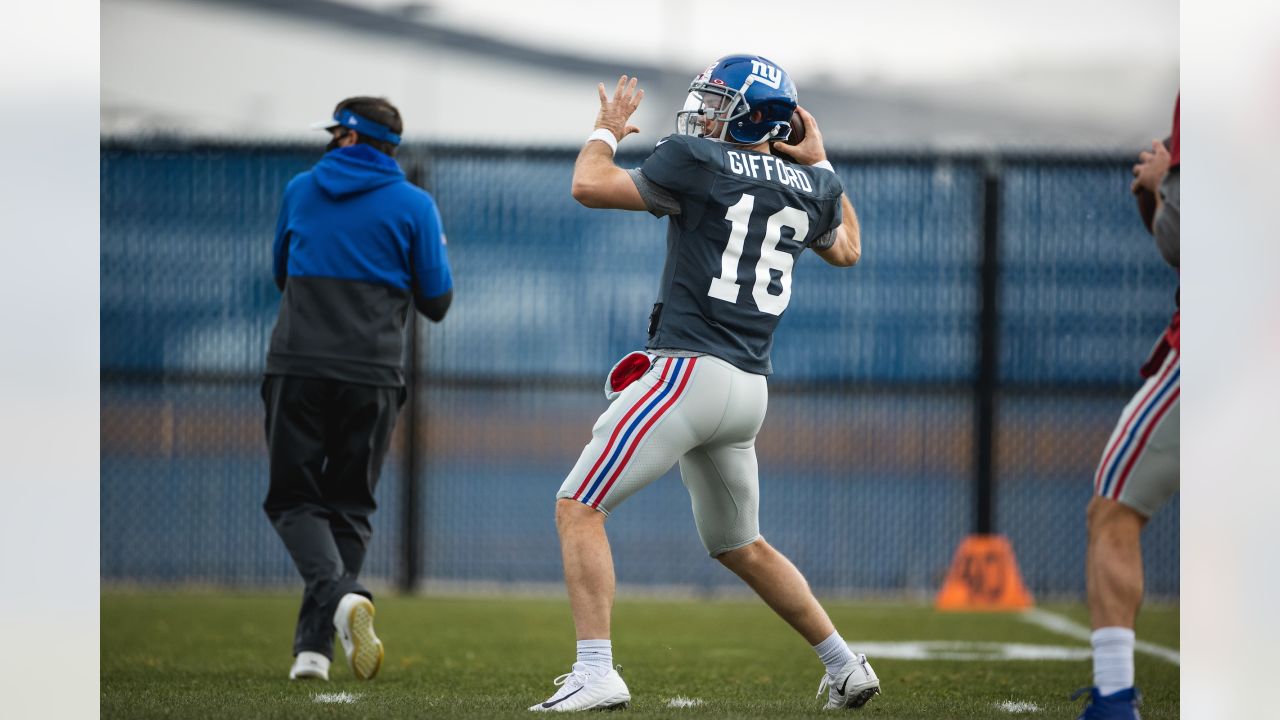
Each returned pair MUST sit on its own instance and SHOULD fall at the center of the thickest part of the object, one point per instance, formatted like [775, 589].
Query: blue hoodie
[355, 245]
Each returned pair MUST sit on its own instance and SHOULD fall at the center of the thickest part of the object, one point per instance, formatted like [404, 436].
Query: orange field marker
[984, 576]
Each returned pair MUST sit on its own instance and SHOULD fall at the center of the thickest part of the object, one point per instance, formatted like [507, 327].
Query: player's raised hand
[810, 150]
[615, 112]
[1151, 168]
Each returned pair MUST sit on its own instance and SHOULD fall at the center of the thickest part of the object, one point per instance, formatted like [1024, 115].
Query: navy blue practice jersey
[738, 223]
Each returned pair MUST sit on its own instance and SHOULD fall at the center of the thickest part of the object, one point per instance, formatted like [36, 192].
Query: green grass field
[228, 656]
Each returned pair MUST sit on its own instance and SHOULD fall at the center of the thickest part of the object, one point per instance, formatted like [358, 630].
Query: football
[797, 130]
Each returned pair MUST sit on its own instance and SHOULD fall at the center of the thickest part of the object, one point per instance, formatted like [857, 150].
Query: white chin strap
[772, 134]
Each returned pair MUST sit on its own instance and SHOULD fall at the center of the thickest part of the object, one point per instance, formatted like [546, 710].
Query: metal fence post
[411, 529]
[409, 485]
[988, 358]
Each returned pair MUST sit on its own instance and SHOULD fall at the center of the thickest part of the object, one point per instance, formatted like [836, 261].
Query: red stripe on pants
[1142, 443]
[1106, 460]
[618, 428]
[644, 430]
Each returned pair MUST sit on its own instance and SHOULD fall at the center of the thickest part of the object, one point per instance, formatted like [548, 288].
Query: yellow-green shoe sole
[366, 649]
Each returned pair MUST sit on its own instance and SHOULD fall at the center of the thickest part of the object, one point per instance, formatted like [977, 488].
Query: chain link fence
[867, 457]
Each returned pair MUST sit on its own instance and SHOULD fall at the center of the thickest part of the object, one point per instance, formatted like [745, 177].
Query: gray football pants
[1140, 466]
[700, 411]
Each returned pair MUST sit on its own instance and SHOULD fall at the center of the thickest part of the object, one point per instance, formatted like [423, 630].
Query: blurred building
[266, 68]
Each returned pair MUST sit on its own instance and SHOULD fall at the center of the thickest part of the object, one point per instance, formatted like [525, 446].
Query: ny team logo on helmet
[730, 91]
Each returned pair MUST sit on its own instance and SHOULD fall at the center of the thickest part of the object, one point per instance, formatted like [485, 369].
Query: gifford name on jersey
[767, 167]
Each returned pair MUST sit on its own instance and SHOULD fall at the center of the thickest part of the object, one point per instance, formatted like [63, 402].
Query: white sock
[596, 656]
[1112, 659]
[834, 653]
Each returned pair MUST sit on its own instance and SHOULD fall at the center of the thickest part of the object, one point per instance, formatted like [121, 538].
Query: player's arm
[434, 307]
[430, 275]
[597, 181]
[1151, 176]
[846, 249]
[280, 245]
[1165, 227]
[1150, 170]
[280, 259]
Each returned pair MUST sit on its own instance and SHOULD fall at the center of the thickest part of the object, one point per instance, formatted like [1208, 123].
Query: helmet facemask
[710, 103]
[707, 104]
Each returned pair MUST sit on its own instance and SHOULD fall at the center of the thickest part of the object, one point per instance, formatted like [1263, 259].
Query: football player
[739, 216]
[1139, 471]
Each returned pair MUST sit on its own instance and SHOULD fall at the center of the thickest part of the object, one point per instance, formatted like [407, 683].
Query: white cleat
[354, 622]
[852, 687]
[581, 689]
[309, 666]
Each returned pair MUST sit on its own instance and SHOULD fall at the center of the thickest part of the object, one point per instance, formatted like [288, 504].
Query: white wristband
[606, 137]
[825, 165]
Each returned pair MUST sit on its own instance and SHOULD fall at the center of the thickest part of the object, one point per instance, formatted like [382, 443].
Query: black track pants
[326, 440]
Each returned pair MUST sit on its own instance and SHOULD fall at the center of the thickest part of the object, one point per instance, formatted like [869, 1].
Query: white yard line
[968, 651]
[341, 698]
[1018, 708]
[1065, 626]
[681, 701]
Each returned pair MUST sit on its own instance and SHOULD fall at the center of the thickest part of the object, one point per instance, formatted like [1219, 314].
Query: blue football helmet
[730, 91]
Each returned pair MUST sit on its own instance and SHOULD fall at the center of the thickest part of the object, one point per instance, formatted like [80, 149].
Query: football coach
[357, 247]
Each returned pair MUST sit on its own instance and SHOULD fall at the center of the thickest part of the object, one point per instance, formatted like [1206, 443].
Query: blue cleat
[1121, 705]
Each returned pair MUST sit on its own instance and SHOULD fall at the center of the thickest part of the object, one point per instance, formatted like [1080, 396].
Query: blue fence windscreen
[866, 456]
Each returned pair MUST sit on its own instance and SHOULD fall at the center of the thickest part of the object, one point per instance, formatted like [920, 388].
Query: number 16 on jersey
[725, 287]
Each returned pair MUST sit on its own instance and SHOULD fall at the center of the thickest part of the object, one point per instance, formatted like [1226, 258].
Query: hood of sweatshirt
[353, 170]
